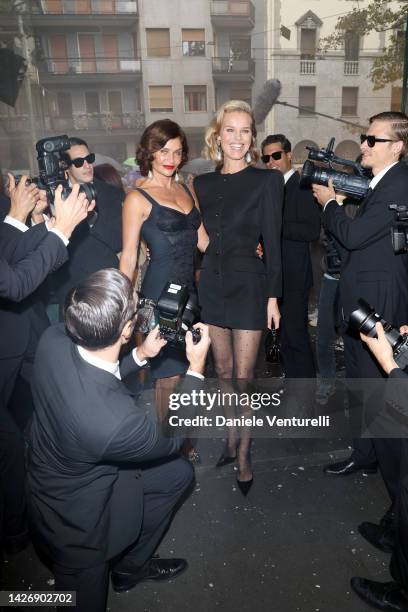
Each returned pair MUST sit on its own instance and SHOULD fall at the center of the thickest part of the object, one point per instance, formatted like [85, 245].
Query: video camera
[52, 167]
[175, 312]
[353, 185]
[364, 319]
[399, 231]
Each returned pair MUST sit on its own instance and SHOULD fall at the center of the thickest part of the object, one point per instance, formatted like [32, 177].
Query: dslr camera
[353, 185]
[399, 231]
[175, 312]
[364, 319]
[51, 170]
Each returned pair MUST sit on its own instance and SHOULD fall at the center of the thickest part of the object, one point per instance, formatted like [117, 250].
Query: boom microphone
[266, 99]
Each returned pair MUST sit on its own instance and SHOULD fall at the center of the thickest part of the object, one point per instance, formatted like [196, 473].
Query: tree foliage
[377, 16]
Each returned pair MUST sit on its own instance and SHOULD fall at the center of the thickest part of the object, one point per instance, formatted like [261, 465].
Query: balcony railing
[226, 65]
[91, 65]
[84, 7]
[307, 67]
[350, 68]
[233, 9]
[107, 121]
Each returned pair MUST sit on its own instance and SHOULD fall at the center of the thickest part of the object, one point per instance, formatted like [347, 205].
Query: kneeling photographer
[392, 596]
[104, 484]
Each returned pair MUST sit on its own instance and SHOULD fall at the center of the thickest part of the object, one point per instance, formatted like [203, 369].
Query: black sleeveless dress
[172, 240]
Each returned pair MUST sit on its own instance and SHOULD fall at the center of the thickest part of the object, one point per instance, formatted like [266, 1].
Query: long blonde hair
[211, 149]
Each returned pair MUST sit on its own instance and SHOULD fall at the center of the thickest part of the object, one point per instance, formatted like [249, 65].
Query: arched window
[347, 149]
[300, 153]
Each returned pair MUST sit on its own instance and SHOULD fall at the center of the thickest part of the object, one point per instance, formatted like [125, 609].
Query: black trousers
[164, 485]
[296, 349]
[399, 559]
[12, 468]
[361, 364]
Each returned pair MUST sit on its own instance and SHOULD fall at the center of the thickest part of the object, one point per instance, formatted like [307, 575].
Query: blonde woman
[240, 204]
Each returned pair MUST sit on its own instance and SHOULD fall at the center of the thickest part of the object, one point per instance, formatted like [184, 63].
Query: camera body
[364, 319]
[51, 170]
[353, 185]
[175, 312]
[399, 231]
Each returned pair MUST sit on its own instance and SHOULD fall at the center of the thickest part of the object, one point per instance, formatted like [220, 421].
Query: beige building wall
[328, 74]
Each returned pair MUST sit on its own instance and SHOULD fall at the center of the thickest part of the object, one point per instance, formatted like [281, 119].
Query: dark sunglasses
[371, 140]
[276, 155]
[78, 162]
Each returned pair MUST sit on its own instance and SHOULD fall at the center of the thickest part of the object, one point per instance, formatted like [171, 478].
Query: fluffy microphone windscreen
[266, 99]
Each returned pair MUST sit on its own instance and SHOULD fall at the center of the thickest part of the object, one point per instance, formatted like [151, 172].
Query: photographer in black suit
[300, 226]
[392, 596]
[103, 482]
[26, 257]
[372, 271]
[97, 241]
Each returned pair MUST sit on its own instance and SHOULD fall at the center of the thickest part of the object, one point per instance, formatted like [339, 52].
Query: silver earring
[248, 157]
[218, 155]
[150, 174]
[176, 176]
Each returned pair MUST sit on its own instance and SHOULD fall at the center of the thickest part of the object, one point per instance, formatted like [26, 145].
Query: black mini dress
[238, 210]
[172, 240]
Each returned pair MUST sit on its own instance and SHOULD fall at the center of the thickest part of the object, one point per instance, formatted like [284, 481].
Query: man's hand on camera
[23, 198]
[324, 194]
[41, 206]
[404, 329]
[381, 349]
[70, 212]
[151, 346]
[197, 353]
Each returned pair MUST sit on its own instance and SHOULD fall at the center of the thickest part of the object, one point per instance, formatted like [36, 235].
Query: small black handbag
[272, 346]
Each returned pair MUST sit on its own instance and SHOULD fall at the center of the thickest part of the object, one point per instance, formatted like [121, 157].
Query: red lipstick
[169, 167]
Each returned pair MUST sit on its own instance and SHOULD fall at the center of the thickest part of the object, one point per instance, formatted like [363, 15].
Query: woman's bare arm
[135, 211]
[203, 239]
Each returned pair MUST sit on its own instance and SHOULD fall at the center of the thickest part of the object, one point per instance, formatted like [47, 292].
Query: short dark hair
[399, 125]
[281, 138]
[97, 310]
[154, 138]
[75, 141]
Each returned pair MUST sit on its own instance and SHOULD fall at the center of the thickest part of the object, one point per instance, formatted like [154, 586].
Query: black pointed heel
[245, 485]
[225, 460]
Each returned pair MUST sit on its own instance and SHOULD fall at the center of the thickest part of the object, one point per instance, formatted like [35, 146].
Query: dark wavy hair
[154, 138]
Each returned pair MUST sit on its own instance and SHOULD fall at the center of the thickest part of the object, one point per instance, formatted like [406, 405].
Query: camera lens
[364, 319]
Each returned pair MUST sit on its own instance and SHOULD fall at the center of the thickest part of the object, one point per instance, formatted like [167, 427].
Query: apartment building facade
[334, 83]
[104, 69]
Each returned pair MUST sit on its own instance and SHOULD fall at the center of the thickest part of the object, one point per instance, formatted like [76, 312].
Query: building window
[307, 100]
[349, 101]
[307, 44]
[158, 42]
[193, 42]
[64, 104]
[396, 99]
[161, 99]
[244, 94]
[195, 98]
[351, 47]
[240, 47]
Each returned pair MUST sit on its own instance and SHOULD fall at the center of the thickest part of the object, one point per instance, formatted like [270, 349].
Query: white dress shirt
[23, 228]
[288, 174]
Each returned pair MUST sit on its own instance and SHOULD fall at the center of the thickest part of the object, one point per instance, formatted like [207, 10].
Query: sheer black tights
[235, 352]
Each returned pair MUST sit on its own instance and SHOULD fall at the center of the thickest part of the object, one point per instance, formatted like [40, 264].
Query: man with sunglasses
[300, 226]
[371, 270]
[96, 241]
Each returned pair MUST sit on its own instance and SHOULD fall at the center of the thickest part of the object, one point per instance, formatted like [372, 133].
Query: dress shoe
[343, 468]
[154, 569]
[386, 596]
[382, 537]
[245, 485]
[14, 544]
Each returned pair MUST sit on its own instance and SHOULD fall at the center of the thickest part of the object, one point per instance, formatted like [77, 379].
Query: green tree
[377, 16]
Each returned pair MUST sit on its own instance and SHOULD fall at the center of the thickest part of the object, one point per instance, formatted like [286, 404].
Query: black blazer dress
[237, 211]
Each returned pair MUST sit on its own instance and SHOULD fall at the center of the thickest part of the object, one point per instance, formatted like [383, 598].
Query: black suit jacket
[88, 437]
[370, 269]
[33, 253]
[92, 249]
[300, 226]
